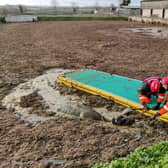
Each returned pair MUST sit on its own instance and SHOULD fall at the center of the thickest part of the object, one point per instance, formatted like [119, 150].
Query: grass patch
[78, 18]
[155, 156]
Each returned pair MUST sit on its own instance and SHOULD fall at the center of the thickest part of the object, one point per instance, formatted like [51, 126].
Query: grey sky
[66, 2]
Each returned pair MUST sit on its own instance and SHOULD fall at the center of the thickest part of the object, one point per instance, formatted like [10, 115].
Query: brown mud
[28, 49]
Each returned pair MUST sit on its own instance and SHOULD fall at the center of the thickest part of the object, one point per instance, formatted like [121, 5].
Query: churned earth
[27, 50]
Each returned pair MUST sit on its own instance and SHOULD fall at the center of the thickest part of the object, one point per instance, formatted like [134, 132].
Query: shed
[20, 18]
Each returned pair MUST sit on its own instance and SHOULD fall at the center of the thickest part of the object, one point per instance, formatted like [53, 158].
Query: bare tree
[97, 5]
[4, 12]
[113, 8]
[124, 2]
[21, 9]
[74, 7]
[120, 2]
[54, 3]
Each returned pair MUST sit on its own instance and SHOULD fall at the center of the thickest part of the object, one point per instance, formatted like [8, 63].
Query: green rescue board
[119, 86]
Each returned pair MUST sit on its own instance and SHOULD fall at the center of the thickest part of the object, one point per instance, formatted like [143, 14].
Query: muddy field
[27, 50]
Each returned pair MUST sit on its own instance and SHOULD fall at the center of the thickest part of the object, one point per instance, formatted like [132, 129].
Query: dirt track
[26, 50]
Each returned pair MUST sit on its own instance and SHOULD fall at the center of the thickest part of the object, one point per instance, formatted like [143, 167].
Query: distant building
[129, 10]
[155, 8]
[20, 18]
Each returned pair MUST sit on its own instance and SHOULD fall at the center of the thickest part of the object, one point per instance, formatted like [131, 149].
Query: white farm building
[20, 18]
[155, 8]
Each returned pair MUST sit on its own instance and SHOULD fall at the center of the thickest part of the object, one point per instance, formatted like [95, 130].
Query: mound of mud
[42, 99]
[91, 100]
[36, 104]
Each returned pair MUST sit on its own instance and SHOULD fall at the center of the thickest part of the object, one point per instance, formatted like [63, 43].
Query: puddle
[58, 105]
[156, 32]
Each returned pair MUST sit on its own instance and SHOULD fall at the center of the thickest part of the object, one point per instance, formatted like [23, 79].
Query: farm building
[20, 18]
[129, 10]
[155, 8]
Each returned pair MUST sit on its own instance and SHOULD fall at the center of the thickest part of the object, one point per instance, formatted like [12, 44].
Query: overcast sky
[66, 2]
